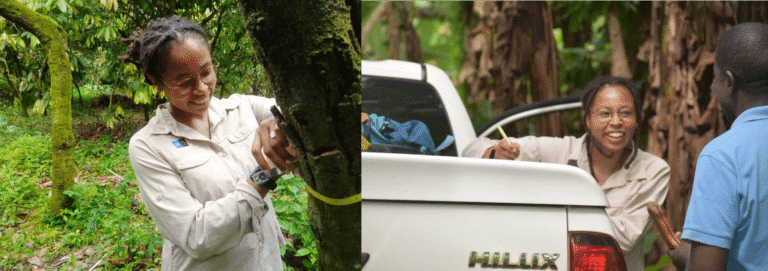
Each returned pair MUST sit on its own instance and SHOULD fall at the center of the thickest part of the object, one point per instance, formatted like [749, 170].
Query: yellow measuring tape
[345, 201]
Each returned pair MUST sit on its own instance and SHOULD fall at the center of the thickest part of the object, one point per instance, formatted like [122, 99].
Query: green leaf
[39, 108]
[107, 35]
[119, 112]
[648, 240]
[664, 261]
[141, 96]
[62, 6]
[302, 252]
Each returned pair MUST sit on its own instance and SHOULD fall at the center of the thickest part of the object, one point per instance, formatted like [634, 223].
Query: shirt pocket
[204, 176]
[239, 145]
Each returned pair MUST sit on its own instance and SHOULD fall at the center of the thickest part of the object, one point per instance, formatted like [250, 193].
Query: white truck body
[429, 212]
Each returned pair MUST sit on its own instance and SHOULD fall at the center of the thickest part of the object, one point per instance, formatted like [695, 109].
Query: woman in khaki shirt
[199, 161]
[629, 177]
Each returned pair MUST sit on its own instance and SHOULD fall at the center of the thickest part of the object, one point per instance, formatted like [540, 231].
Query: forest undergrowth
[108, 226]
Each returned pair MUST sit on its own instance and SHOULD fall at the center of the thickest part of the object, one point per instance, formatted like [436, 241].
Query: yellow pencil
[504, 135]
[516, 152]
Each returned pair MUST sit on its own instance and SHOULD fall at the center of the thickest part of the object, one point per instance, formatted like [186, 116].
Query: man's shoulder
[738, 139]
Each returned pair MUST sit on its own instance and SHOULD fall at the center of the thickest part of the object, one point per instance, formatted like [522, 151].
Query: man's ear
[730, 81]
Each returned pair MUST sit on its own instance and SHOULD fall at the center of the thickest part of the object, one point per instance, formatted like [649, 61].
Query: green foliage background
[108, 222]
[95, 29]
[441, 33]
[108, 217]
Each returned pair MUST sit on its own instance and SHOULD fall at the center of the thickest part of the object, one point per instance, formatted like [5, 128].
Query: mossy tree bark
[53, 38]
[312, 58]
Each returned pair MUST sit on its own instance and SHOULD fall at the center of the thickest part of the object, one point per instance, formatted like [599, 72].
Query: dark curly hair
[591, 90]
[148, 49]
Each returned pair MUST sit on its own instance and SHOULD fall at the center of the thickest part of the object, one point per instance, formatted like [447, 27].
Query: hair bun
[134, 48]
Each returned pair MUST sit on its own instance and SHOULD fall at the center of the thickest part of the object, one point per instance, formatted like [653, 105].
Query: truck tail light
[592, 251]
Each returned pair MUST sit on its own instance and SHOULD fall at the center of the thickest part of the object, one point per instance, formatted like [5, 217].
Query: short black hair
[743, 50]
[148, 49]
[591, 90]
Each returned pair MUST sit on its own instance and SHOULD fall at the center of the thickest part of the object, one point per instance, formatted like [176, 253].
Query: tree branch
[375, 17]
[218, 30]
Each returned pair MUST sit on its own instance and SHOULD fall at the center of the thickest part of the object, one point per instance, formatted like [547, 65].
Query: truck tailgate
[387, 176]
[424, 212]
[445, 236]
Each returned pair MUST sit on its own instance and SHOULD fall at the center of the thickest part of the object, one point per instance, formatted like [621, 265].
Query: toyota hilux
[445, 212]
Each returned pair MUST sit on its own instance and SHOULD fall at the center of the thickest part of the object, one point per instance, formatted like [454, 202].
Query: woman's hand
[503, 150]
[274, 144]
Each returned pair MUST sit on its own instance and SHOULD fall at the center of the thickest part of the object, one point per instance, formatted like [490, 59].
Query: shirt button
[223, 154]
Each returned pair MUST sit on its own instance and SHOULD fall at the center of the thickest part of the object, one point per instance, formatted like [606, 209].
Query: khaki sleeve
[633, 220]
[261, 106]
[532, 148]
[478, 147]
[200, 229]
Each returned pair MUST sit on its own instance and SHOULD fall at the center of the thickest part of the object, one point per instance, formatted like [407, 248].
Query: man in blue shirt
[727, 220]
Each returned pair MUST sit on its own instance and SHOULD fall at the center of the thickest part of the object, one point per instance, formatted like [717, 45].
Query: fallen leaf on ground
[61, 261]
[35, 261]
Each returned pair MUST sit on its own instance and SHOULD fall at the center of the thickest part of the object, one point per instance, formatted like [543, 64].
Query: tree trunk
[393, 30]
[684, 116]
[748, 11]
[619, 65]
[544, 71]
[378, 13]
[16, 91]
[510, 50]
[399, 23]
[312, 58]
[53, 38]
[412, 43]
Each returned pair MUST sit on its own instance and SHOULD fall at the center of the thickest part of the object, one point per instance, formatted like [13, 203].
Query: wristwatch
[265, 179]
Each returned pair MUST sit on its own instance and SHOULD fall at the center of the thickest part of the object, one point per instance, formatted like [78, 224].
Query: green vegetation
[648, 241]
[110, 101]
[108, 223]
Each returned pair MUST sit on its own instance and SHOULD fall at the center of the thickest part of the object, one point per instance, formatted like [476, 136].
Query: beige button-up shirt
[196, 189]
[642, 179]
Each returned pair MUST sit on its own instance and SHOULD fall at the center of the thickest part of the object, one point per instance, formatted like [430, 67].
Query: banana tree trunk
[684, 116]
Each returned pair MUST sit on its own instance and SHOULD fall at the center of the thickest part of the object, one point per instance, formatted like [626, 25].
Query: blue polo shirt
[729, 202]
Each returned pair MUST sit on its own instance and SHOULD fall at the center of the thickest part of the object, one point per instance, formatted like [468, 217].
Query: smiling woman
[630, 177]
[200, 162]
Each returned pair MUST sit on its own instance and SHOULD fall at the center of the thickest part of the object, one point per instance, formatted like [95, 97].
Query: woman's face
[611, 119]
[189, 79]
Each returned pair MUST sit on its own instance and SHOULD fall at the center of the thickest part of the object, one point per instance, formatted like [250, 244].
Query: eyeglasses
[606, 115]
[186, 84]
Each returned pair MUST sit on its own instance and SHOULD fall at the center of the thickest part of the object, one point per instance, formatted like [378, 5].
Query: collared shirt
[729, 201]
[643, 178]
[196, 189]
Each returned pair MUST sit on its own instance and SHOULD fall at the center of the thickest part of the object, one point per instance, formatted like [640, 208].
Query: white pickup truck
[430, 212]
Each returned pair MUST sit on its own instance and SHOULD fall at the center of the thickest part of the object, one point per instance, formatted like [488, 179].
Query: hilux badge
[485, 260]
